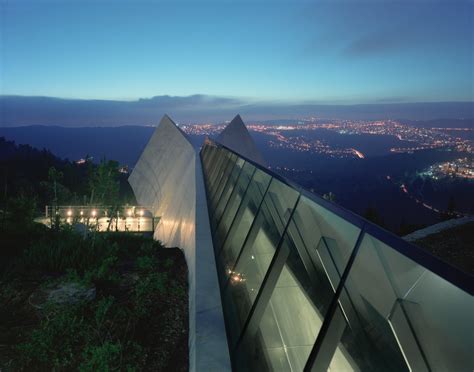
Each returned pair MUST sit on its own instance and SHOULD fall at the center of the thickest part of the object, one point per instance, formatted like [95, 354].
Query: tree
[54, 176]
[104, 186]
[21, 211]
[103, 183]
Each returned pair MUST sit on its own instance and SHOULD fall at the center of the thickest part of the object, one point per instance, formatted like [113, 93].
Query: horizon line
[247, 100]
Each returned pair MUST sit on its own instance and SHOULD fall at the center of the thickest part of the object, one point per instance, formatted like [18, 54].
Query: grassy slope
[138, 320]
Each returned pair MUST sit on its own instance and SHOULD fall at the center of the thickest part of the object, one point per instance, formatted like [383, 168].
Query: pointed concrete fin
[236, 137]
[166, 121]
[162, 151]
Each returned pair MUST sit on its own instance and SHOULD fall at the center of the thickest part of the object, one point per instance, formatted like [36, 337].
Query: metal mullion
[418, 344]
[398, 294]
[268, 285]
[303, 252]
[213, 165]
[207, 165]
[233, 195]
[227, 159]
[212, 155]
[238, 210]
[314, 359]
[215, 171]
[220, 182]
[204, 153]
[222, 192]
[249, 233]
[218, 220]
[272, 206]
[349, 312]
[455, 276]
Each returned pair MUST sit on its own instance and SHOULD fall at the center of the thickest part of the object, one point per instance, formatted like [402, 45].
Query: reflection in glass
[392, 314]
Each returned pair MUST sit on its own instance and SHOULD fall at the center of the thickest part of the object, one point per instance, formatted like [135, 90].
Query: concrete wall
[164, 179]
[168, 179]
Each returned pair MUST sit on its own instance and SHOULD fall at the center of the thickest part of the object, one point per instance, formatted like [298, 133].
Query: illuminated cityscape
[282, 136]
[243, 186]
[459, 168]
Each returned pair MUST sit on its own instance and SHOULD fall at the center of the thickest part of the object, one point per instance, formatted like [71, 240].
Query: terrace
[129, 218]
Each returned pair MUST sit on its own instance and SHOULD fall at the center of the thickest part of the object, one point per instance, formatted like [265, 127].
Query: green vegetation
[42, 179]
[137, 320]
[83, 301]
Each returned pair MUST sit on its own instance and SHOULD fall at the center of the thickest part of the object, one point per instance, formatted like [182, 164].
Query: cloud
[192, 101]
[21, 110]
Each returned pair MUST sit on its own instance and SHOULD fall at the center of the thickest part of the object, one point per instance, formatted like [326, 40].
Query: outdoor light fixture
[141, 213]
[82, 212]
[129, 212]
[69, 213]
[94, 213]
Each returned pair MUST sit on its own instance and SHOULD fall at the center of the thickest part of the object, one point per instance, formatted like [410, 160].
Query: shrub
[103, 357]
[66, 249]
[55, 342]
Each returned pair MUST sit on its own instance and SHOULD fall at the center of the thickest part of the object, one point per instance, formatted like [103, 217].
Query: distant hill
[23, 110]
[123, 144]
[24, 170]
[442, 123]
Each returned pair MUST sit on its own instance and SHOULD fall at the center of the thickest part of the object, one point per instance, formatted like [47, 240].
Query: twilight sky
[327, 52]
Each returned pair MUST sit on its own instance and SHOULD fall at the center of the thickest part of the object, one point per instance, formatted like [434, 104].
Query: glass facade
[308, 285]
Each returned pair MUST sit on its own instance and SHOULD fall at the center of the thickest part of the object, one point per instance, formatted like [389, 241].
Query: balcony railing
[306, 284]
[104, 218]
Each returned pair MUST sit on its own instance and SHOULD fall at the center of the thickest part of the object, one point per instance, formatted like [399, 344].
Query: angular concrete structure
[168, 178]
[236, 137]
[283, 280]
[164, 178]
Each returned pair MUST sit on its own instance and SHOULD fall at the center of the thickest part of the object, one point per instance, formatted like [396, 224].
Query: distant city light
[287, 137]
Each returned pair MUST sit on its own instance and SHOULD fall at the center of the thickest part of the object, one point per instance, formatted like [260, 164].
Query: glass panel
[262, 241]
[205, 150]
[217, 161]
[233, 204]
[227, 191]
[407, 316]
[369, 342]
[313, 265]
[290, 324]
[392, 314]
[243, 220]
[212, 163]
[339, 235]
[427, 301]
[212, 152]
[222, 162]
[227, 170]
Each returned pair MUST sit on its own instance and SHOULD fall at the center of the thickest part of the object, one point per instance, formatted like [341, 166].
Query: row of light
[94, 212]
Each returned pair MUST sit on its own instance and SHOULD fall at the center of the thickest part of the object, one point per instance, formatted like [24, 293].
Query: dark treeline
[40, 178]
